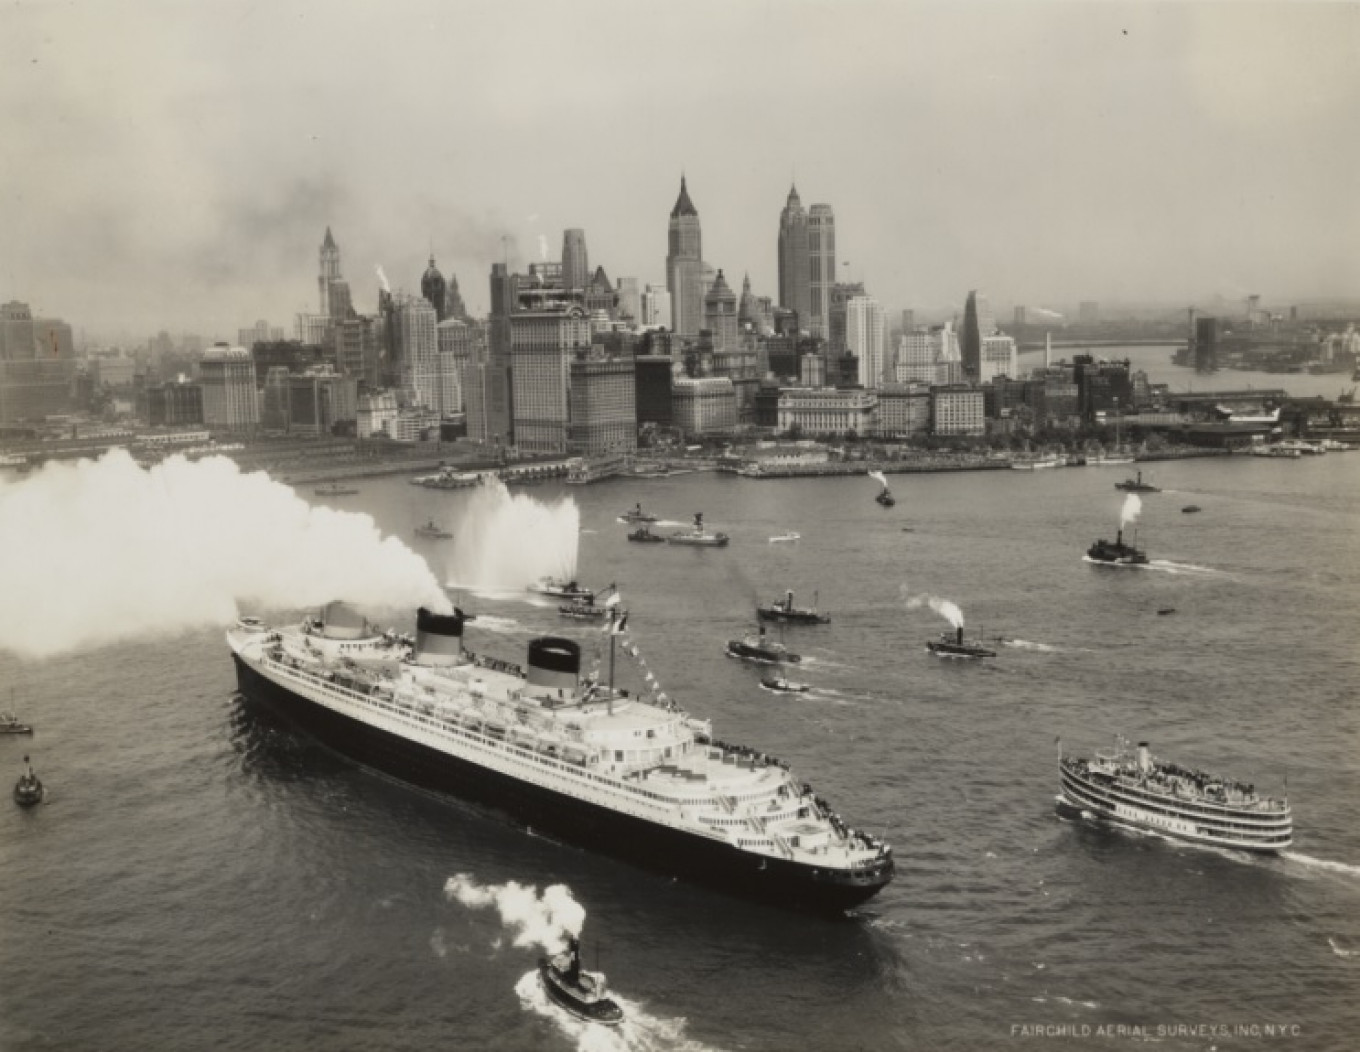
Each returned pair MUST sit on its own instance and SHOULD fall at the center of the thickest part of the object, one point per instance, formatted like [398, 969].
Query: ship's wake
[640, 1031]
[1025, 644]
[1341, 951]
[492, 623]
[1184, 569]
[1344, 869]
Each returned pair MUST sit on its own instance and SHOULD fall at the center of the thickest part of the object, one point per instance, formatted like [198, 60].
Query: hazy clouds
[176, 163]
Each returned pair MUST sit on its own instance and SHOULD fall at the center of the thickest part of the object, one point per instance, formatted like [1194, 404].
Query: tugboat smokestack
[960, 635]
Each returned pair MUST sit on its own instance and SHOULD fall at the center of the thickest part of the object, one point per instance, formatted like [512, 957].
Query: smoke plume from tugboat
[946, 608]
[99, 551]
[547, 921]
[1133, 507]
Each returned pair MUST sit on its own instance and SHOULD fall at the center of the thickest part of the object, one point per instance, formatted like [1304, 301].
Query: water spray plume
[1133, 507]
[124, 552]
[546, 920]
[511, 540]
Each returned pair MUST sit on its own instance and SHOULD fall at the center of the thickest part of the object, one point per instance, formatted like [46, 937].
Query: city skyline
[1113, 152]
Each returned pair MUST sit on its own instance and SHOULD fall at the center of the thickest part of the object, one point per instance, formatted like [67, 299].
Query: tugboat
[954, 645]
[637, 515]
[699, 537]
[885, 497]
[580, 992]
[582, 610]
[9, 724]
[1190, 509]
[644, 535]
[784, 611]
[1139, 790]
[760, 648]
[783, 686]
[1137, 485]
[1116, 552]
[28, 790]
[434, 531]
[563, 590]
[334, 489]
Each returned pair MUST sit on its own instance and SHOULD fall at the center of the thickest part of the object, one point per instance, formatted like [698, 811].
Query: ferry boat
[28, 790]
[334, 489]
[1137, 485]
[952, 644]
[1033, 463]
[637, 516]
[644, 535]
[760, 648]
[448, 478]
[784, 611]
[1141, 791]
[632, 775]
[1116, 552]
[9, 724]
[1104, 460]
[434, 531]
[699, 536]
[1284, 452]
[580, 992]
[563, 589]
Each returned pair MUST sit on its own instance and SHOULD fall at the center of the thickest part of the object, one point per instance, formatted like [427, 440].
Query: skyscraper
[685, 265]
[821, 228]
[432, 288]
[720, 314]
[330, 271]
[575, 260]
[864, 338]
[794, 287]
[417, 349]
[656, 307]
[977, 323]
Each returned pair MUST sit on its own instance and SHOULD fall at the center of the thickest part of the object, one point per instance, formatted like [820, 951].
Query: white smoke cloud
[510, 540]
[879, 477]
[1044, 312]
[382, 279]
[97, 551]
[543, 246]
[1133, 507]
[546, 920]
[944, 607]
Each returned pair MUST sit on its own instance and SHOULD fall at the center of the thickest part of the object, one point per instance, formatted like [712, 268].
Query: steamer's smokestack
[439, 637]
[554, 663]
[1144, 758]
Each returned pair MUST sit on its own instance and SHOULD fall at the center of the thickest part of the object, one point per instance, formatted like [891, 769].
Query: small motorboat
[28, 790]
[582, 610]
[434, 531]
[783, 686]
[1190, 509]
[637, 515]
[580, 992]
[9, 724]
[779, 538]
[1166, 610]
[644, 535]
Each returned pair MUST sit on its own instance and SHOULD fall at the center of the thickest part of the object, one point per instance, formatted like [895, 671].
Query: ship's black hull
[661, 848]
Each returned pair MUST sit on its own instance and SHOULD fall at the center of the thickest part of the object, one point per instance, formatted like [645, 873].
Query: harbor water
[203, 877]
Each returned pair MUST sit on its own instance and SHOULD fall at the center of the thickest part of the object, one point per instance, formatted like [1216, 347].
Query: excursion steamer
[639, 779]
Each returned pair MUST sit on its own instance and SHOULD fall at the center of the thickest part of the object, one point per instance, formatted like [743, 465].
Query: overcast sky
[175, 164]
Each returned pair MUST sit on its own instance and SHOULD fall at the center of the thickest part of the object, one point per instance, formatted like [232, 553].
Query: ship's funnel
[1144, 758]
[960, 635]
[340, 620]
[554, 663]
[439, 637]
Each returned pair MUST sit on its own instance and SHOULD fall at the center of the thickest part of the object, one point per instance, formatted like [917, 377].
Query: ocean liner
[1139, 790]
[568, 755]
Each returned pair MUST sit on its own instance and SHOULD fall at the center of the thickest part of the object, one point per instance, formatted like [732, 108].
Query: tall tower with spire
[432, 288]
[794, 288]
[330, 271]
[685, 266]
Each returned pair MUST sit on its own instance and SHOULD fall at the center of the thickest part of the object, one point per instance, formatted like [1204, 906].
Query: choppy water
[202, 878]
